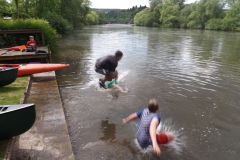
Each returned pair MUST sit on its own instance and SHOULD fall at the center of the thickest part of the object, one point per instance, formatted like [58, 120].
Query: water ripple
[194, 74]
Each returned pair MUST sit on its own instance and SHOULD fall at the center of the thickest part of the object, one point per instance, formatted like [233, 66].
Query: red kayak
[27, 69]
[17, 48]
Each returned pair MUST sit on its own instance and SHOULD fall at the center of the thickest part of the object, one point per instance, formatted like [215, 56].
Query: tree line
[204, 14]
[123, 15]
[77, 13]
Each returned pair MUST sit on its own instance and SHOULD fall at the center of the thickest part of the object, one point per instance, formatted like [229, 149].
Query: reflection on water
[194, 74]
[108, 130]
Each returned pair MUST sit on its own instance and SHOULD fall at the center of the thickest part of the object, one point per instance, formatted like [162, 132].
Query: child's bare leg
[170, 136]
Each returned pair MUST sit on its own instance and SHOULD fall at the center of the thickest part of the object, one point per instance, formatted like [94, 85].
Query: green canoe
[7, 75]
[16, 119]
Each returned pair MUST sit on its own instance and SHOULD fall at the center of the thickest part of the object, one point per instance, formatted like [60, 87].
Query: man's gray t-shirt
[107, 62]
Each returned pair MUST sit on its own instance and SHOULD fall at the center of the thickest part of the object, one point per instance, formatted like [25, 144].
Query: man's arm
[130, 117]
[152, 130]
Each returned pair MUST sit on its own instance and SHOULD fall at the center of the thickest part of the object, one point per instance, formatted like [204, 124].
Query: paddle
[4, 53]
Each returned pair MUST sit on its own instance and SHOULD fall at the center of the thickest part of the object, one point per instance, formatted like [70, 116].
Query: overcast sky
[122, 4]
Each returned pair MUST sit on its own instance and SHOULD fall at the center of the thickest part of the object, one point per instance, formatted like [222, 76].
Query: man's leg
[110, 76]
[106, 77]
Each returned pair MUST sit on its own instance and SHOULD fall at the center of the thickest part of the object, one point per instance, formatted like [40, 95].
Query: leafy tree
[232, 19]
[184, 17]
[204, 11]
[197, 16]
[101, 17]
[214, 9]
[170, 15]
[61, 25]
[154, 3]
[92, 18]
[4, 8]
[123, 16]
[144, 18]
[16, 3]
[214, 24]
[157, 14]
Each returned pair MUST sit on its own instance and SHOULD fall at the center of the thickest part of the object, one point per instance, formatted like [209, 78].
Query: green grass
[3, 147]
[11, 94]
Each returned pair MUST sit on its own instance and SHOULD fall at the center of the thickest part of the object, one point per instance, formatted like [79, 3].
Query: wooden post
[43, 39]
[49, 54]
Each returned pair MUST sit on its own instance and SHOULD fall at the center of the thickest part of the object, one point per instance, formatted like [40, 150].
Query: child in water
[147, 125]
[114, 83]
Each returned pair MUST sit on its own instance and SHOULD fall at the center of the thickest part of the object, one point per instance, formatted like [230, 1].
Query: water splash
[122, 74]
[176, 146]
[179, 141]
[94, 82]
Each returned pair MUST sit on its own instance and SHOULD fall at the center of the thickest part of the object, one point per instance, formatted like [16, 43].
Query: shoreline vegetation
[204, 14]
[55, 18]
[121, 16]
[221, 15]
[11, 94]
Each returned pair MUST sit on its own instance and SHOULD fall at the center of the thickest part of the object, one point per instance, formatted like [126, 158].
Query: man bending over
[107, 66]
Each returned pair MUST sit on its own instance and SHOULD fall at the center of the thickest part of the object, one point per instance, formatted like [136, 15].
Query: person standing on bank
[107, 66]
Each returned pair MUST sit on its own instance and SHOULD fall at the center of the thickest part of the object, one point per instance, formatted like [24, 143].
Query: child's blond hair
[152, 105]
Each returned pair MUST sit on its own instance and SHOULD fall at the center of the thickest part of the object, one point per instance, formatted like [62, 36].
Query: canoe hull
[7, 76]
[29, 69]
[16, 119]
[39, 68]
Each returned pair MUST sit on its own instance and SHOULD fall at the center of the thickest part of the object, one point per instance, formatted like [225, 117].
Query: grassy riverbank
[11, 94]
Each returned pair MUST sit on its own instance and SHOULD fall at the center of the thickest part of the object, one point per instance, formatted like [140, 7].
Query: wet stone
[48, 138]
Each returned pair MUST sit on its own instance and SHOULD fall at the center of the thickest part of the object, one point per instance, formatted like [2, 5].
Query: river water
[194, 75]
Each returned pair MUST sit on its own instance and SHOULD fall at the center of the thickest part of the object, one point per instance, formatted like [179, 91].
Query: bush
[232, 19]
[61, 25]
[230, 23]
[170, 16]
[155, 24]
[92, 18]
[144, 18]
[184, 17]
[50, 35]
[215, 24]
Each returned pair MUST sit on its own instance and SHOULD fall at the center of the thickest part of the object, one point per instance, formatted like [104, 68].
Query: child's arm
[130, 117]
[120, 89]
[152, 130]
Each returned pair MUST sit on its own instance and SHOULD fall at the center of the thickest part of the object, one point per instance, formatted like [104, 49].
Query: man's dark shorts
[102, 71]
